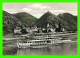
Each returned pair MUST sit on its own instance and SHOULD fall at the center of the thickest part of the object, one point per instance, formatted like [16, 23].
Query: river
[9, 48]
[59, 49]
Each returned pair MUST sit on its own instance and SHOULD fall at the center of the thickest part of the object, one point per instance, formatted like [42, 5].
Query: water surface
[59, 49]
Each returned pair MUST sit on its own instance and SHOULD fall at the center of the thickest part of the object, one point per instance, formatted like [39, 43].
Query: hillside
[26, 18]
[9, 23]
[46, 18]
[68, 21]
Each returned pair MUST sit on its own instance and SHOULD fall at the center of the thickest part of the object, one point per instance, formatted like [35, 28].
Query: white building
[17, 30]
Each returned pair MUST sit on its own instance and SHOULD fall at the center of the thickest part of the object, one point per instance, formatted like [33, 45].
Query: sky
[38, 9]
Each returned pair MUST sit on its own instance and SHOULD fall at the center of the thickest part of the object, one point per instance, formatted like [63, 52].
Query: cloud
[57, 11]
[11, 10]
[39, 6]
[36, 5]
[27, 9]
[18, 10]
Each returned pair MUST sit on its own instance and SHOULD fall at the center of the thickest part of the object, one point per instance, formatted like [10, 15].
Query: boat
[58, 40]
[36, 43]
[54, 39]
[42, 42]
[65, 40]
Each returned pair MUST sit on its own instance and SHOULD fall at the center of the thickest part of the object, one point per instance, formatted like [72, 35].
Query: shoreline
[53, 34]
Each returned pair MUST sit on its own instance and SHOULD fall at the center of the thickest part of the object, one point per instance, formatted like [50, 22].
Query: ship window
[48, 42]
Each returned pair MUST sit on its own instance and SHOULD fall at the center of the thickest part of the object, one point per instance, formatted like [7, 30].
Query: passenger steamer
[39, 43]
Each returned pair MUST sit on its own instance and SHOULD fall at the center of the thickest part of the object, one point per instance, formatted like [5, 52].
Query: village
[35, 29]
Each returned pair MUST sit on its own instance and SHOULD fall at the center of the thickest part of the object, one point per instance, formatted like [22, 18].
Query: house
[17, 30]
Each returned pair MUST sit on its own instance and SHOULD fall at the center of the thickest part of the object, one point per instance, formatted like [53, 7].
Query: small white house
[17, 30]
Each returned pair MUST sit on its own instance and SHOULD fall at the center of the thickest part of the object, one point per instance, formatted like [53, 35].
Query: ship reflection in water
[60, 49]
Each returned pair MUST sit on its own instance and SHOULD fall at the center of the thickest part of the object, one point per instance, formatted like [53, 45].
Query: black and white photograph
[39, 29]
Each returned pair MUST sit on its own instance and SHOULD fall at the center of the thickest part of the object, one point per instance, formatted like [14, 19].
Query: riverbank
[9, 45]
